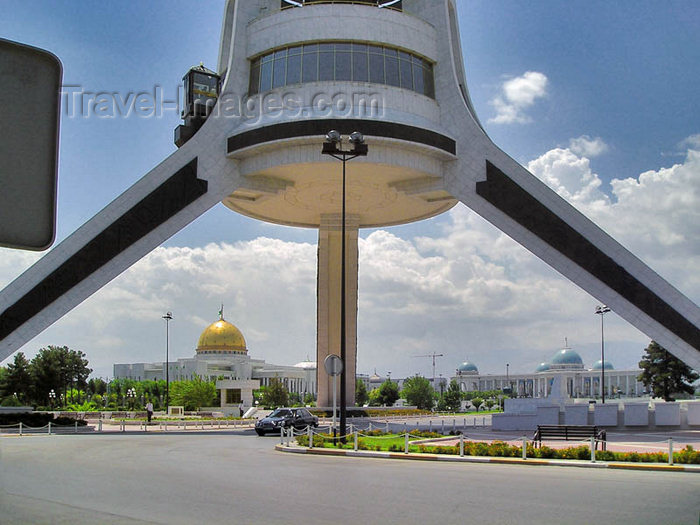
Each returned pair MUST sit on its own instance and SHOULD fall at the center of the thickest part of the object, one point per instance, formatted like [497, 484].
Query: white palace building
[221, 355]
[577, 379]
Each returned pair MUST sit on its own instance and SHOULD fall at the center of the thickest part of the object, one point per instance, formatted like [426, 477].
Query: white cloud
[655, 215]
[691, 142]
[517, 95]
[586, 146]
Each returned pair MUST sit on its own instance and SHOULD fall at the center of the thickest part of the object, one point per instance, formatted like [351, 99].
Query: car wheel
[259, 432]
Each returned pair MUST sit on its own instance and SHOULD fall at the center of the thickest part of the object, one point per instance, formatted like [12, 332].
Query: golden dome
[221, 337]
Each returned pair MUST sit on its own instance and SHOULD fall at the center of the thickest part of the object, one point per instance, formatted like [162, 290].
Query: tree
[451, 399]
[192, 394]
[97, 386]
[388, 393]
[361, 396]
[418, 391]
[18, 379]
[477, 401]
[60, 369]
[664, 373]
[275, 394]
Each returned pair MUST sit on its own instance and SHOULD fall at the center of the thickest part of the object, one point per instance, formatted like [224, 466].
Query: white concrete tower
[392, 70]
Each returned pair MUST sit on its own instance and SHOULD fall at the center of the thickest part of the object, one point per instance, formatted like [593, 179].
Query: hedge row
[687, 455]
[38, 419]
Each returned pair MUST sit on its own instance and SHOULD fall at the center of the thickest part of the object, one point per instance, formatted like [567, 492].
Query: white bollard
[99, 426]
[465, 423]
[483, 421]
[524, 447]
[311, 438]
[283, 433]
[461, 445]
[474, 421]
[20, 428]
[370, 426]
[592, 449]
[76, 426]
[430, 425]
[670, 451]
[355, 439]
[49, 428]
[406, 445]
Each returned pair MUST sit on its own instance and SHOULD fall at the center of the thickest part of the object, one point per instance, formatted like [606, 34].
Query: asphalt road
[237, 478]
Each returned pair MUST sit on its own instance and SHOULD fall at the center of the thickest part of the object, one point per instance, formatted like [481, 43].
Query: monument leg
[328, 303]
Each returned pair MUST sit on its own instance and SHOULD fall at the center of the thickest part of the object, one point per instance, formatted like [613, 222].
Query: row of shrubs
[38, 419]
[687, 455]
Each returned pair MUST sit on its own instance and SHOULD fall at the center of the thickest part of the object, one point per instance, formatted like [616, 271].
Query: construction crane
[433, 356]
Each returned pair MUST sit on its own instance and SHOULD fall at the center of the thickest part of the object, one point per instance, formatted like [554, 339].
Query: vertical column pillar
[328, 303]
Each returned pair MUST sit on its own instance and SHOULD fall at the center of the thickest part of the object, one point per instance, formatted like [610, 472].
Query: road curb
[485, 459]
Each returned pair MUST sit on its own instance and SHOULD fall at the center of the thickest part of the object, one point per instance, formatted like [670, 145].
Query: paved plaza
[235, 477]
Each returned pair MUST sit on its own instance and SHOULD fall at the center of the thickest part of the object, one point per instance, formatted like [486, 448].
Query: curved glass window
[349, 61]
[389, 4]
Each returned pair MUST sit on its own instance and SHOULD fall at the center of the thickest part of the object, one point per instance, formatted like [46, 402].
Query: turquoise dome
[598, 365]
[542, 367]
[567, 356]
[467, 367]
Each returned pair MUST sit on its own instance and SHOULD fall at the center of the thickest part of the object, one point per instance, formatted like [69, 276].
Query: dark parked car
[299, 418]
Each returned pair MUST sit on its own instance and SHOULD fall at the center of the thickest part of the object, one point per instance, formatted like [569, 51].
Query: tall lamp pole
[332, 147]
[168, 317]
[601, 311]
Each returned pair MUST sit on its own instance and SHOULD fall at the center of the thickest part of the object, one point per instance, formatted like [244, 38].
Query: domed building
[542, 367]
[221, 337]
[575, 378]
[221, 355]
[467, 368]
[566, 359]
[598, 365]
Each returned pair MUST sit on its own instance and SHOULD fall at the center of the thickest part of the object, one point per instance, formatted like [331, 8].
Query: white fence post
[406, 445]
[49, 428]
[311, 438]
[76, 426]
[524, 447]
[99, 426]
[355, 438]
[670, 451]
[592, 449]
[20, 428]
[461, 445]
[387, 427]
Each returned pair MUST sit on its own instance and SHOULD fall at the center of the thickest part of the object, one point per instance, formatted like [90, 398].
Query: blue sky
[581, 93]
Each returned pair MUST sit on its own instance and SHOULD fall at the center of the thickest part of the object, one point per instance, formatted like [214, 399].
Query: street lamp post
[168, 317]
[601, 311]
[131, 394]
[332, 147]
[52, 397]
